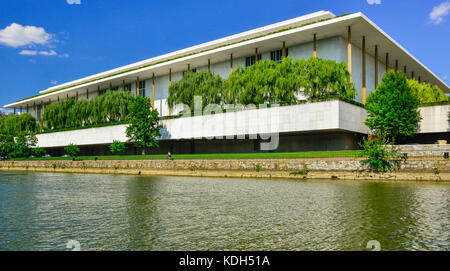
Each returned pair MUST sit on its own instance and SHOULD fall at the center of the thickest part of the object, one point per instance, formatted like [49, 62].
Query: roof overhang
[361, 26]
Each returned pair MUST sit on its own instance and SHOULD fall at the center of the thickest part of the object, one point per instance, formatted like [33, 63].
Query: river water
[44, 211]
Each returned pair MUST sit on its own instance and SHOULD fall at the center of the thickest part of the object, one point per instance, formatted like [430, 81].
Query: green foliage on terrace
[201, 83]
[267, 82]
[113, 106]
[427, 93]
[393, 107]
[15, 124]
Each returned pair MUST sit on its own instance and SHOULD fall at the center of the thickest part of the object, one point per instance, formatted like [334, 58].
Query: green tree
[117, 147]
[254, 85]
[426, 93]
[72, 150]
[200, 83]
[22, 146]
[144, 125]
[15, 124]
[326, 79]
[113, 106]
[393, 108]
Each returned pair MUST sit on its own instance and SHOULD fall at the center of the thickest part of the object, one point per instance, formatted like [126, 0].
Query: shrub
[378, 151]
[39, 152]
[72, 150]
[427, 93]
[117, 147]
[393, 108]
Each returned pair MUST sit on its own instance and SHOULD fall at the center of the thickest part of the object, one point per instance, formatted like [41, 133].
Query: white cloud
[54, 82]
[42, 53]
[76, 2]
[438, 12]
[28, 53]
[48, 53]
[371, 2]
[16, 35]
[445, 77]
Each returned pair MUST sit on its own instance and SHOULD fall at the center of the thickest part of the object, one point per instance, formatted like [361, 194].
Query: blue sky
[49, 42]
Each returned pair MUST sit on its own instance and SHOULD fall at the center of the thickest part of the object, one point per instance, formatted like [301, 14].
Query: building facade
[352, 38]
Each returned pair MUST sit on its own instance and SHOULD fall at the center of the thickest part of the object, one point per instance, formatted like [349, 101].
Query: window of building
[250, 60]
[102, 91]
[278, 55]
[128, 87]
[115, 88]
[142, 88]
[38, 112]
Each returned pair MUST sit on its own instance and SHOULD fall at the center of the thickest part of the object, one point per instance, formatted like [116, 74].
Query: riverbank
[344, 168]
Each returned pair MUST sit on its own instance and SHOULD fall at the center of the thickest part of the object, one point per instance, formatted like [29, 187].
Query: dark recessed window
[278, 55]
[142, 88]
[250, 60]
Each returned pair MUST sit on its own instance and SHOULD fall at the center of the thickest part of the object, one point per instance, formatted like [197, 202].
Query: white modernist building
[351, 38]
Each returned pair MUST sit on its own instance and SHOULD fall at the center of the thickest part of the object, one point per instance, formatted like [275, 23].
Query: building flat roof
[294, 31]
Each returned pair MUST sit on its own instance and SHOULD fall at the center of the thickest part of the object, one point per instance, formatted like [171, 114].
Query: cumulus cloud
[76, 2]
[28, 52]
[42, 53]
[48, 53]
[16, 35]
[439, 12]
[371, 2]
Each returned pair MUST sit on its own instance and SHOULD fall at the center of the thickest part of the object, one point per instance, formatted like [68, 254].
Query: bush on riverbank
[378, 150]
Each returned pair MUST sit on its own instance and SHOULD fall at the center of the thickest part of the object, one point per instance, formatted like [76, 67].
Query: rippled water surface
[43, 211]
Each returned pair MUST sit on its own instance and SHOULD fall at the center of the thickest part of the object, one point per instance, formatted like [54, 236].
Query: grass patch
[318, 154]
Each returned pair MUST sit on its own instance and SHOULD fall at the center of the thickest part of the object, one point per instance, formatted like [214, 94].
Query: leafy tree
[14, 124]
[393, 108]
[113, 106]
[72, 150]
[325, 79]
[117, 147]
[254, 85]
[426, 93]
[290, 81]
[200, 83]
[144, 125]
[22, 146]
[378, 152]
[6, 145]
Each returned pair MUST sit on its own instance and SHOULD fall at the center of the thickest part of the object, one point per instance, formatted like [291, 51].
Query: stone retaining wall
[345, 164]
[425, 149]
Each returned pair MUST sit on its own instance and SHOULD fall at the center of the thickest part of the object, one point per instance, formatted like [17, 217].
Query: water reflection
[105, 212]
